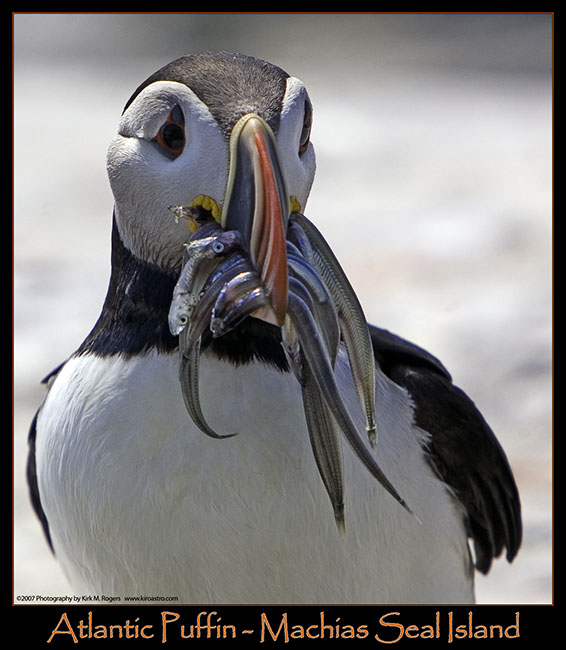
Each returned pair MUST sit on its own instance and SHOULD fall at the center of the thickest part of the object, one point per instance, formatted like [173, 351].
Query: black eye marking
[306, 130]
[171, 135]
[176, 115]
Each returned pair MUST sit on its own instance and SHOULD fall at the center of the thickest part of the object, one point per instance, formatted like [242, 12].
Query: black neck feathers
[134, 316]
[134, 320]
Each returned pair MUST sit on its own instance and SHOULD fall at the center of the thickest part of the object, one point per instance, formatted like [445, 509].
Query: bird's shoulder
[463, 450]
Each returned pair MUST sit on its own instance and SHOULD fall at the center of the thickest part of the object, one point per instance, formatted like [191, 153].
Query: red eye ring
[171, 135]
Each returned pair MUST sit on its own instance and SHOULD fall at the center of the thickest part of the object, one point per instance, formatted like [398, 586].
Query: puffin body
[145, 504]
[136, 500]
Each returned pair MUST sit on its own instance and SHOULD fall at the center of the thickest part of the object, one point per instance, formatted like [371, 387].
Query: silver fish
[324, 433]
[210, 260]
[189, 379]
[199, 259]
[238, 298]
[315, 355]
[305, 280]
[352, 320]
[324, 436]
[201, 317]
[190, 339]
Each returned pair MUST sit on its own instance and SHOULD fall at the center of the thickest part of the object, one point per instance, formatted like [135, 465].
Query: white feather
[145, 182]
[141, 503]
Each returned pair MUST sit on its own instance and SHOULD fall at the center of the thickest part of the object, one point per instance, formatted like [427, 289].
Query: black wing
[32, 482]
[463, 450]
[31, 471]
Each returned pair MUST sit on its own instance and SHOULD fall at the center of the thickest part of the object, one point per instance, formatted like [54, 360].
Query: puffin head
[228, 132]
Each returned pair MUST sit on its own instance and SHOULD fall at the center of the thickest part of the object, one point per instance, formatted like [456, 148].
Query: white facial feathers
[145, 180]
[298, 168]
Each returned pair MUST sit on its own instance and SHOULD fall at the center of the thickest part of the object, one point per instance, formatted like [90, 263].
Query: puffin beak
[256, 204]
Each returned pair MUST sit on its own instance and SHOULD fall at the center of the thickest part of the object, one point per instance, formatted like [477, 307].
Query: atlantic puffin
[135, 500]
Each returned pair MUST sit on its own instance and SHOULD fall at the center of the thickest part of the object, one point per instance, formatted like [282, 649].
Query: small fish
[324, 436]
[316, 357]
[352, 320]
[304, 280]
[238, 298]
[201, 316]
[200, 257]
[189, 379]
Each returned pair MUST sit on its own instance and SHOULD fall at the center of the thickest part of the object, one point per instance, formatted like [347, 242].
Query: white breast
[139, 502]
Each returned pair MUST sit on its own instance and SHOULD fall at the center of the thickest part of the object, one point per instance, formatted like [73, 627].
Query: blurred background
[433, 135]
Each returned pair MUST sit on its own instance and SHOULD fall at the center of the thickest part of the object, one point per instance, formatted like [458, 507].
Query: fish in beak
[261, 259]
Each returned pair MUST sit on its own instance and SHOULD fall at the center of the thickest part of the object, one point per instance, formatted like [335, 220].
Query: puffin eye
[306, 131]
[171, 135]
